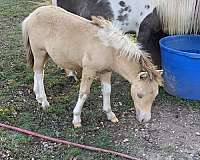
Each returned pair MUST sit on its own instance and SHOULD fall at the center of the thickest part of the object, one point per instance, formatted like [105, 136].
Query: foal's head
[145, 85]
[144, 91]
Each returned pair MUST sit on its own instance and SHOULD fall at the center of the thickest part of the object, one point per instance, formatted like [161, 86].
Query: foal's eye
[140, 95]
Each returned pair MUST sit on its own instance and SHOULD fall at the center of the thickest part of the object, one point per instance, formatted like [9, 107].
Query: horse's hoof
[39, 100]
[45, 105]
[72, 79]
[77, 125]
[114, 120]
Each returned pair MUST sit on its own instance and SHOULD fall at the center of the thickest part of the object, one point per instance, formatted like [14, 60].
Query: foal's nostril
[140, 95]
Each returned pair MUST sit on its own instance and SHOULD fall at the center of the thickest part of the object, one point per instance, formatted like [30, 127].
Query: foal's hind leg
[106, 90]
[40, 59]
[71, 74]
[74, 74]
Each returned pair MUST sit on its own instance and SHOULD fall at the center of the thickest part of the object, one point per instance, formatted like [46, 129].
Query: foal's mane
[112, 36]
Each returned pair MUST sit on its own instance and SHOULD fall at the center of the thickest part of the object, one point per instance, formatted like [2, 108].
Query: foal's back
[64, 36]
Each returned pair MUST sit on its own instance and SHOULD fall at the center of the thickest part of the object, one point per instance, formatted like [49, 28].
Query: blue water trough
[181, 65]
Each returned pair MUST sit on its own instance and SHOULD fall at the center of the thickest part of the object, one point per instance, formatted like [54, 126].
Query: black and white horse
[149, 19]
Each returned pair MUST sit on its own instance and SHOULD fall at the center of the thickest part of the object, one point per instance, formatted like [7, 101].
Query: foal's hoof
[72, 79]
[45, 105]
[77, 125]
[114, 120]
[39, 100]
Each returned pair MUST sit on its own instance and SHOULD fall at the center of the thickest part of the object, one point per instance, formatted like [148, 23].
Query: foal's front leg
[86, 81]
[106, 90]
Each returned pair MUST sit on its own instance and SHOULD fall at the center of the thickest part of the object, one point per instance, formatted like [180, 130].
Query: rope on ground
[34, 134]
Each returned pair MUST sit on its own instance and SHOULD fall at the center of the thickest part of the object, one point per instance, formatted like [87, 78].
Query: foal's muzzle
[142, 116]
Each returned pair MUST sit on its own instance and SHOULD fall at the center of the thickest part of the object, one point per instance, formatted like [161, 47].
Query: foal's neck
[127, 69]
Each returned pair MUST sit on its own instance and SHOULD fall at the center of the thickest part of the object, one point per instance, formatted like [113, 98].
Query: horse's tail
[26, 41]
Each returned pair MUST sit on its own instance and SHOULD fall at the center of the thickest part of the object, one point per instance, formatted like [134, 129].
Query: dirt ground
[172, 134]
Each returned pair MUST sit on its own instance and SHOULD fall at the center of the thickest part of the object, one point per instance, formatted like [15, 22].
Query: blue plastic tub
[181, 64]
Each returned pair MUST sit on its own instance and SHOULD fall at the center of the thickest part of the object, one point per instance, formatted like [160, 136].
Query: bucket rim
[186, 54]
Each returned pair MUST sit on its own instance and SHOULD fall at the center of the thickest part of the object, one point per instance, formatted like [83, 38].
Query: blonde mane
[112, 36]
[179, 16]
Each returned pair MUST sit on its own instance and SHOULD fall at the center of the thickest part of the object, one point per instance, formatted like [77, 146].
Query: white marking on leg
[72, 74]
[106, 90]
[39, 89]
[77, 110]
[36, 87]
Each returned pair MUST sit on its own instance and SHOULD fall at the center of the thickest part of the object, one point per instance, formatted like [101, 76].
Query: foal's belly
[66, 62]
[94, 61]
[64, 58]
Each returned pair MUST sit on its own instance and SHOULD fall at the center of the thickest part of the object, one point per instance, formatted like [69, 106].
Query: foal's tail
[25, 36]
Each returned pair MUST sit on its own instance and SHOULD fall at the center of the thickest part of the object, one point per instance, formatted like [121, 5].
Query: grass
[19, 107]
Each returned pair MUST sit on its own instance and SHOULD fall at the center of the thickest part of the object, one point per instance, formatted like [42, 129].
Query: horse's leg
[71, 74]
[78, 73]
[86, 81]
[40, 59]
[54, 2]
[106, 90]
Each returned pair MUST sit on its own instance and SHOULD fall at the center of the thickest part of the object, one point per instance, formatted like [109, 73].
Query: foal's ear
[143, 76]
[159, 78]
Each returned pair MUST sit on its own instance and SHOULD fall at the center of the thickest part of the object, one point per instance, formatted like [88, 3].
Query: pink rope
[30, 133]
